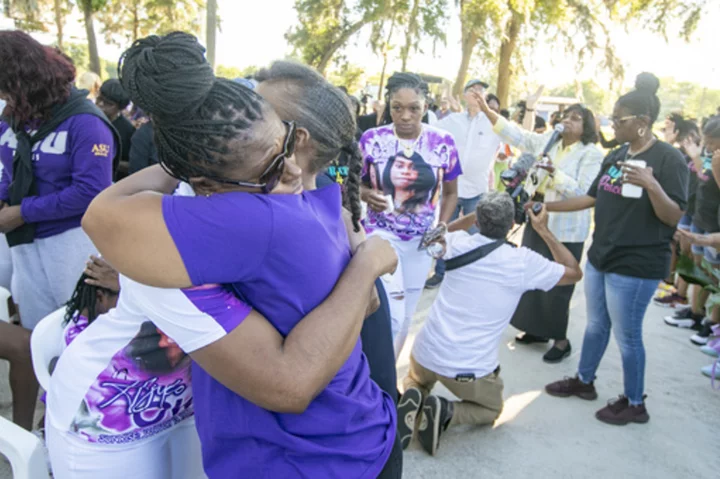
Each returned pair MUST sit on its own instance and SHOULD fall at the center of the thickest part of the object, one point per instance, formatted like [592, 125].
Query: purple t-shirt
[410, 173]
[284, 254]
[71, 165]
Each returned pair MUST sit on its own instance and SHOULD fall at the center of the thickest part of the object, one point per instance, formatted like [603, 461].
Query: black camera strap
[473, 255]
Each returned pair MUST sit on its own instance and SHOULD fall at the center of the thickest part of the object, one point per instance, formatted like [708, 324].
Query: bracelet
[529, 109]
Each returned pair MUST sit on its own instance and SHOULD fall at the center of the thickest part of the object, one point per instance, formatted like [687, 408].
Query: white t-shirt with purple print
[122, 379]
[410, 173]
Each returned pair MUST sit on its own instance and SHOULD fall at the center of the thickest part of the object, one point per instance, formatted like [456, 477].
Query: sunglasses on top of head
[271, 176]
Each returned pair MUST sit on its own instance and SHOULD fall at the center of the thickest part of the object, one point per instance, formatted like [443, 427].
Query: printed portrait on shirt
[374, 172]
[408, 181]
[411, 176]
[144, 390]
[152, 351]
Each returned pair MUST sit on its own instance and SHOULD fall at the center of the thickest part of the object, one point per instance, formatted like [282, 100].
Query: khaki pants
[481, 400]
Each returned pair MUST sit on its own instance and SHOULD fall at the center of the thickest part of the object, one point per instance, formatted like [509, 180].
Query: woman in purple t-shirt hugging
[284, 254]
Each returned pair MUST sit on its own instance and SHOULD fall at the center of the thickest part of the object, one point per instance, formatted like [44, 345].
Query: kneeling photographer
[570, 164]
[458, 344]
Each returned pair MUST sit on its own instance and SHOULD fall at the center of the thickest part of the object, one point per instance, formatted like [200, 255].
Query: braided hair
[328, 115]
[643, 100]
[402, 80]
[84, 297]
[195, 115]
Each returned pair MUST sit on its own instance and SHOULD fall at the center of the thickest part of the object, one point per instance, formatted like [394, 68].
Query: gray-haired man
[458, 344]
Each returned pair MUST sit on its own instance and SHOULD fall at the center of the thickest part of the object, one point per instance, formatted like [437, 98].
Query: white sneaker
[683, 318]
[708, 371]
[701, 338]
[709, 351]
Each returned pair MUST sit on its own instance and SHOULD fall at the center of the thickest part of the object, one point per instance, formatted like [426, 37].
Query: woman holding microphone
[639, 197]
[574, 162]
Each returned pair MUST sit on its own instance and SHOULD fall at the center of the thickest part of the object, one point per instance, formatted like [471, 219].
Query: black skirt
[540, 313]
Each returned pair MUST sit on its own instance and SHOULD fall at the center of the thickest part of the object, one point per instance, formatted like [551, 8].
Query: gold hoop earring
[641, 132]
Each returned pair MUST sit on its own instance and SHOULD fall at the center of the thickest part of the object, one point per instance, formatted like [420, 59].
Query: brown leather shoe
[619, 412]
[572, 387]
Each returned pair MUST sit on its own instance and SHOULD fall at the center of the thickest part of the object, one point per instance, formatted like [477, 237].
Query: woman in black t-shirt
[630, 253]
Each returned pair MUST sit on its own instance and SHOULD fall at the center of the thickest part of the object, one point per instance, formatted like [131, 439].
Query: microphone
[559, 128]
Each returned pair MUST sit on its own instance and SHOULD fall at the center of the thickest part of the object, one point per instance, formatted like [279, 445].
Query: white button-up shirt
[575, 170]
[477, 145]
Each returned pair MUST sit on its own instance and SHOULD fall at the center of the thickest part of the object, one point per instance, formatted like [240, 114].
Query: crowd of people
[238, 261]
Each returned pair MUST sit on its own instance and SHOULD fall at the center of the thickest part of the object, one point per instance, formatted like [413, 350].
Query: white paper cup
[633, 191]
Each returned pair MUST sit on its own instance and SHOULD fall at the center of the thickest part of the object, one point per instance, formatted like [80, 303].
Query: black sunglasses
[271, 176]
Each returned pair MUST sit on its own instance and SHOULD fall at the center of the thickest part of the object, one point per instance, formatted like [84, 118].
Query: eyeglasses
[621, 121]
[271, 176]
[572, 117]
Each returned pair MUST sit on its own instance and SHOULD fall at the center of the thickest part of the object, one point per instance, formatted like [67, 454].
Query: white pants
[173, 454]
[5, 264]
[405, 286]
[46, 271]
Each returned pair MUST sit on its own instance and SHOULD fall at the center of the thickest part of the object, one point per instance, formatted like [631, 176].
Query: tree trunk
[507, 48]
[59, 21]
[211, 30]
[410, 34]
[92, 41]
[468, 45]
[135, 21]
[335, 46]
[386, 47]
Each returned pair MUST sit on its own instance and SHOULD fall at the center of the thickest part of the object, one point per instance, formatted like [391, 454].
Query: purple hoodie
[72, 165]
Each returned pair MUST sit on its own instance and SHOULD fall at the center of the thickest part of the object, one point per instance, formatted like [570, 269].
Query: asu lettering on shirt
[71, 166]
[101, 150]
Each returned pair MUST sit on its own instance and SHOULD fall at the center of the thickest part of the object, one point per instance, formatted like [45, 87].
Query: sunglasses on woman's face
[621, 121]
[271, 176]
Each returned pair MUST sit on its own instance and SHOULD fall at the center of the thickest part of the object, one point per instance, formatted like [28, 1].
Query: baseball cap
[474, 82]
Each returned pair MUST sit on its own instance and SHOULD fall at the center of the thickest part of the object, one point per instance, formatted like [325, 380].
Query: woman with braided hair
[286, 396]
[300, 93]
[409, 168]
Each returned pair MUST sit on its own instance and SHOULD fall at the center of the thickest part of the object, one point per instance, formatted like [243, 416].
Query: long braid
[84, 297]
[351, 199]
[328, 115]
[194, 113]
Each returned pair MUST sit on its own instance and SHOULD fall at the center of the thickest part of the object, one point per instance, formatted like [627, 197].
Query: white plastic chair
[46, 343]
[24, 451]
[4, 312]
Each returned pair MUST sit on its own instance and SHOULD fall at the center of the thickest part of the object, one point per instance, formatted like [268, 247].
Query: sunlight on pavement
[514, 405]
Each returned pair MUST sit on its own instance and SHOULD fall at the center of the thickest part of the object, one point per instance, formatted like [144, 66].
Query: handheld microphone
[559, 128]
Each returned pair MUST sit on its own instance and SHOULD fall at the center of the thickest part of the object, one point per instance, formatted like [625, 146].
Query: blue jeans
[619, 302]
[465, 206]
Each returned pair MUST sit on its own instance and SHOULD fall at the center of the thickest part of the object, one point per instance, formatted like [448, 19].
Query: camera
[513, 179]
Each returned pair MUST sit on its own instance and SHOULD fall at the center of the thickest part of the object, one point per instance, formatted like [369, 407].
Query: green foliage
[124, 21]
[421, 19]
[348, 75]
[234, 72]
[691, 99]
[690, 272]
[78, 53]
[327, 25]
